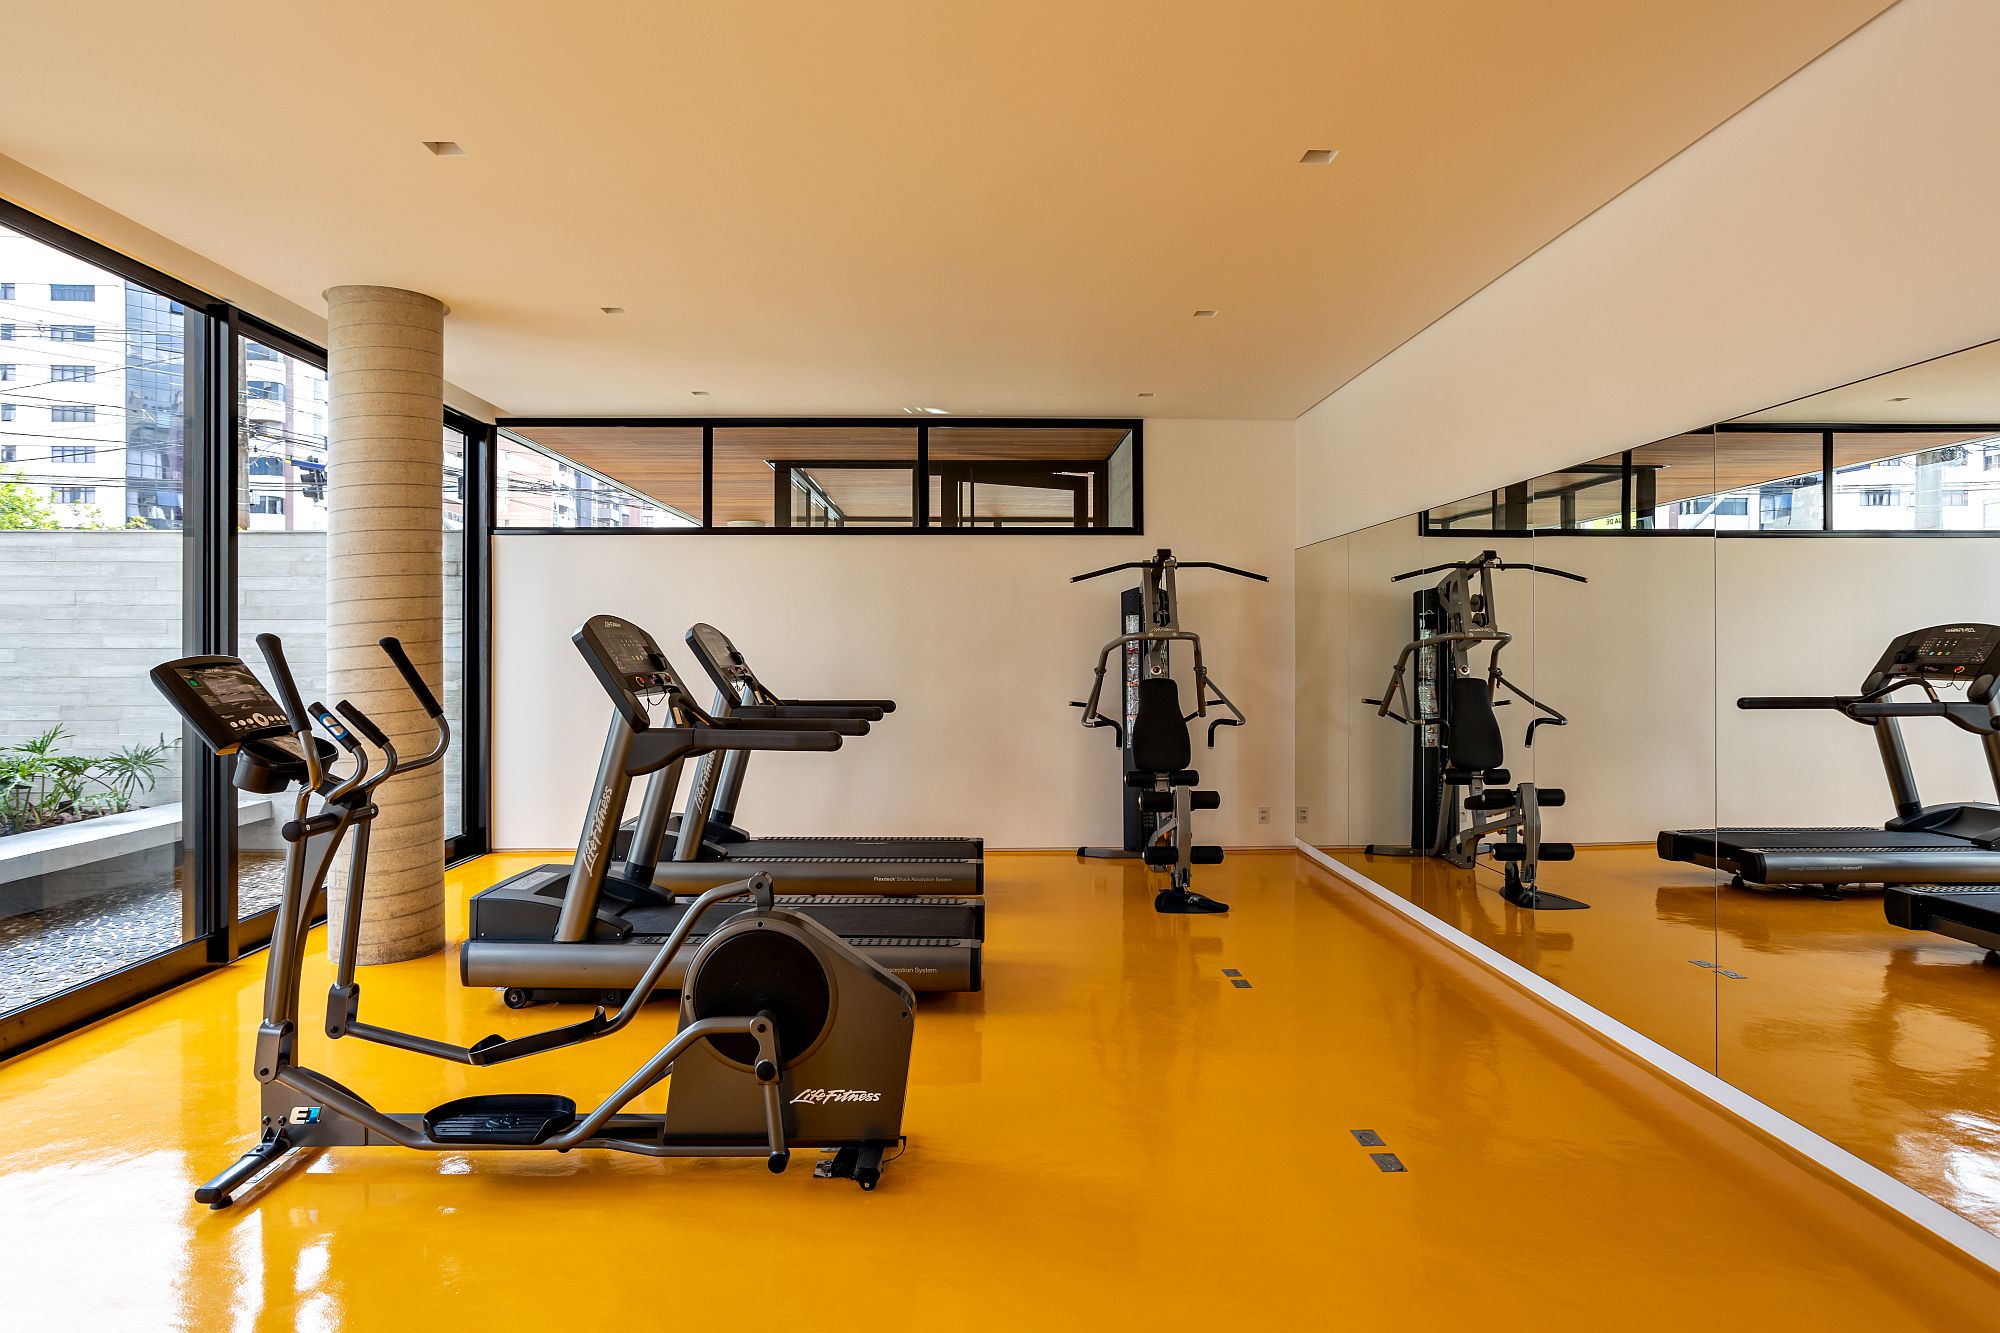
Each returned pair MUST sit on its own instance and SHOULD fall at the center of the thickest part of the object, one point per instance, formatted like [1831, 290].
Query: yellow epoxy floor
[1885, 1041]
[1110, 1137]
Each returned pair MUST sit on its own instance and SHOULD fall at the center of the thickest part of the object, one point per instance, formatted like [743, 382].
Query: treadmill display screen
[1945, 652]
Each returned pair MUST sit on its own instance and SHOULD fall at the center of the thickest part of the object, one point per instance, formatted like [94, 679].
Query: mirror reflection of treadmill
[1939, 864]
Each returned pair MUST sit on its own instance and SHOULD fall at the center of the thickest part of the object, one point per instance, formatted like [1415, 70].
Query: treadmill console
[725, 666]
[629, 665]
[1963, 652]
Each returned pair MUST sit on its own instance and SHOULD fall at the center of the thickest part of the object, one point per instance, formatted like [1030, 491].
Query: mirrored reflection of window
[830, 476]
[1744, 481]
[96, 871]
[1916, 481]
[1044, 477]
[598, 477]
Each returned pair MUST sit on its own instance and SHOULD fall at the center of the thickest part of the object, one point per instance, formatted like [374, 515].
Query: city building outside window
[72, 291]
[75, 495]
[73, 453]
[6, 372]
[7, 414]
[6, 333]
[73, 333]
[72, 414]
[76, 374]
[6, 291]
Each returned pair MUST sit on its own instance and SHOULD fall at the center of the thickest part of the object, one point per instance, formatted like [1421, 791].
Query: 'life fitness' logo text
[821, 1096]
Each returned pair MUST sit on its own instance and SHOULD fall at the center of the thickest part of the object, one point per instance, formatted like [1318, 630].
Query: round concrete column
[385, 363]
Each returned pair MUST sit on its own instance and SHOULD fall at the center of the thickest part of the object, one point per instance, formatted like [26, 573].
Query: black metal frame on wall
[215, 934]
[1634, 485]
[920, 467]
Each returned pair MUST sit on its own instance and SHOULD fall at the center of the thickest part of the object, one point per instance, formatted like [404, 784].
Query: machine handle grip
[394, 647]
[845, 726]
[730, 738]
[1227, 569]
[1798, 701]
[881, 705]
[362, 723]
[1109, 569]
[810, 712]
[273, 649]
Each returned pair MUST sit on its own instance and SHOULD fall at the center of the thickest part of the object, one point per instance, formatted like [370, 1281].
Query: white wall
[1841, 226]
[1647, 661]
[982, 640]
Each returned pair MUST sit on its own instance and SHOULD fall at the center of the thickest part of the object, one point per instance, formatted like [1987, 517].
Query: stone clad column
[385, 362]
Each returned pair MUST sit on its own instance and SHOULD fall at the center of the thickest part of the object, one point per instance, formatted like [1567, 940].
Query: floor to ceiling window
[96, 872]
[164, 474]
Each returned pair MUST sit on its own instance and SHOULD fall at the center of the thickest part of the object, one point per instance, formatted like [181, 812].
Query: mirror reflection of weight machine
[1461, 792]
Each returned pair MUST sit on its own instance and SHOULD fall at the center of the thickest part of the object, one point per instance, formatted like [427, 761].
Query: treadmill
[706, 828]
[1953, 844]
[589, 929]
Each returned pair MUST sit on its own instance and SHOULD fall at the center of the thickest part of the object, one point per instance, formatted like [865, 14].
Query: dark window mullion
[922, 499]
[708, 477]
[1826, 481]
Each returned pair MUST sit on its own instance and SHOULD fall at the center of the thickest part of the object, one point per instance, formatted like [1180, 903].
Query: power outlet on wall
[1263, 814]
[1302, 814]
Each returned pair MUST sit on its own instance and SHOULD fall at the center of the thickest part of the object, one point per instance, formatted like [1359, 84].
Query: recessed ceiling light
[612, 309]
[1204, 314]
[1320, 156]
[699, 393]
[1899, 400]
[444, 148]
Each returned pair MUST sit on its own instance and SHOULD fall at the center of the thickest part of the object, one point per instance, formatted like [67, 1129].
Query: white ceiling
[1960, 389]
[867, 207]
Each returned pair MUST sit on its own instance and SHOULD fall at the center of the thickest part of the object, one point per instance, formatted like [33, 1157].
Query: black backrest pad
[1159, 737]
[1475, 732]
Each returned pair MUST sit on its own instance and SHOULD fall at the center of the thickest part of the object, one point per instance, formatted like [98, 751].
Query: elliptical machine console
[788, 1037]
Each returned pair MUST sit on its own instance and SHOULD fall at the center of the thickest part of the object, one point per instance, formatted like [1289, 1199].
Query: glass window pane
[1754, 481]
[282, 459]
[1587, 497]
[1916, 481]
[1035, 477]
[94, 872]
[598, 477]
[454, 629]
[815, 477]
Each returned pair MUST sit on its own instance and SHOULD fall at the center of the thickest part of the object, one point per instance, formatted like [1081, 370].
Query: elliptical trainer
[1152, 732]
[1461, 792]
[787, 1037]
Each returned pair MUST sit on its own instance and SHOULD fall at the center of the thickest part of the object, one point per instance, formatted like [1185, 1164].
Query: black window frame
[920, 469]
[215, 936]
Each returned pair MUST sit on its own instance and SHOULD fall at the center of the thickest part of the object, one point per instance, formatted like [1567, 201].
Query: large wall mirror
[1732, 776]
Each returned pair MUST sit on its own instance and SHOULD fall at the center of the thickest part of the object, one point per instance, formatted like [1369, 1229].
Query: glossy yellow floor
[1110, 1137]
[1884, 1040]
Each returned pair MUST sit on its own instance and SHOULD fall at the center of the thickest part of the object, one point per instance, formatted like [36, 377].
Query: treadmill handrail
[807, 712]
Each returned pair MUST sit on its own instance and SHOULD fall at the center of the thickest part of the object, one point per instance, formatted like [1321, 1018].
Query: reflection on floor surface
[1111, 1136]
[1884, 1040]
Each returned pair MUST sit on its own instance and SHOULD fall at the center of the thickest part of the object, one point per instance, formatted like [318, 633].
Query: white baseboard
[1892, 1193]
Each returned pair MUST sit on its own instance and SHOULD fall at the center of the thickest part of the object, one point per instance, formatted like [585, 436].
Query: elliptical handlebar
[394, 648]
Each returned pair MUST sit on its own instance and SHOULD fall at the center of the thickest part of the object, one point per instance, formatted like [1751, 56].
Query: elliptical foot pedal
[1186, 902]
[508, 1117]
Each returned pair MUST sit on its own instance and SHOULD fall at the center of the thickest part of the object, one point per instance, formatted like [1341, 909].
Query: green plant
[40, 785]
[22, 507]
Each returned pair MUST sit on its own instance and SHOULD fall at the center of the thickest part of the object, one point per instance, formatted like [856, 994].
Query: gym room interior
[1107, 665]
